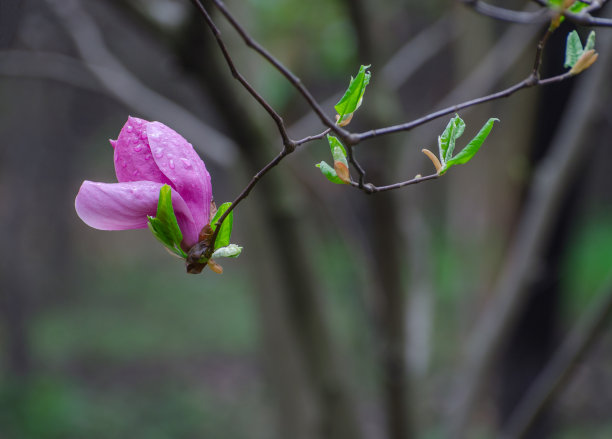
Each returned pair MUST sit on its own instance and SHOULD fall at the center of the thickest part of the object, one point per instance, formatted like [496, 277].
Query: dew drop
[137, 148]
[135, 173]
[159, 153]
[171, 164]
[186, 163]
[124, 164]
[148, 157]
[129, 128]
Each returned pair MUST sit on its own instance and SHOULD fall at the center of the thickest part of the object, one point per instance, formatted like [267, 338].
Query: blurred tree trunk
[304, 317]
[389, 298]
[534, 336]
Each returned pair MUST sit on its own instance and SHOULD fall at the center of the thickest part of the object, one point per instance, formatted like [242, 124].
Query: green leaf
[329, 173]
[230, 251]
[472, 148]
[223, 237]
[577, 7]
[334, 142]
[590, 44]
[446, 142]
[164, 225]
[353, 96]
[573, 49]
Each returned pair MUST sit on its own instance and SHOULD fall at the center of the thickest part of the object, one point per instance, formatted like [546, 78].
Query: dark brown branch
[311, 138]
[371, 189]
[542, 15]
[503, 14]
[289, 144]
[292, 78]
[556, 375]
[245, 192]
[530, 81]
[537, 64]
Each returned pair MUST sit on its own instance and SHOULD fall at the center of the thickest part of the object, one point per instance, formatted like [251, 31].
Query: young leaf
[353, 96]
[230, 251]
[577, 7]
[472, 148]
[329, 173]
[164, 225]
[223, 237]
[573, 49]
[334, 142]
[446, 142]
[590, 44]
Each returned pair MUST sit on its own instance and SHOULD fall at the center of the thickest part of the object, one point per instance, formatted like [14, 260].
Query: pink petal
[122, 206]
[133, 158]
[177, 159]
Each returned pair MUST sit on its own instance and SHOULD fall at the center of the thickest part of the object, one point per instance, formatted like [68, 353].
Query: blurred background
[347, 315]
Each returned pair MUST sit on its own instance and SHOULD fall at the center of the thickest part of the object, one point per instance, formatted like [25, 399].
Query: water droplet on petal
[143, 135]
[135, 173]
[171, 164]
[129, 128]
[159, 153]
[148, 157]
[137, 148]
[186, 163]
[123, 164]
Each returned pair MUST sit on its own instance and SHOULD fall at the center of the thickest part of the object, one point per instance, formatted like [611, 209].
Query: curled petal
[122, 206]
[177, 160]
[133, 158]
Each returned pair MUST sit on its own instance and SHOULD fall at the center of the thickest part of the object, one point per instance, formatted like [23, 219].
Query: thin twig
[537, 64]
[245, 192]
[371, 189]
[542, 15]
[289, 144]
[290, 76]
[311, 138]
[530, 81]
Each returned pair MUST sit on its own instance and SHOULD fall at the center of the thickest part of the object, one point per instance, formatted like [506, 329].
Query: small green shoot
[353, 96]
[448, 139]
[576, 57]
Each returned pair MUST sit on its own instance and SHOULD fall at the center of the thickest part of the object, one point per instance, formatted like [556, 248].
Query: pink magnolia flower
[147, 156]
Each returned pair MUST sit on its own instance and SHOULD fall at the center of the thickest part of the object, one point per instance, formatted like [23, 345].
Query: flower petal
[186, 171]
[133, 158]
[122, 206]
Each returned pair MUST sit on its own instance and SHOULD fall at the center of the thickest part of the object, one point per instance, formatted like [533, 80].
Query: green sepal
[573, 49]
[353, 96]
[225, 233]
[164, 225]
[471, 149]
[446, 142]
[329, 173]
[229, 251]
